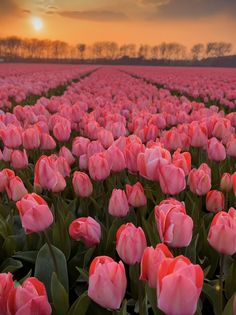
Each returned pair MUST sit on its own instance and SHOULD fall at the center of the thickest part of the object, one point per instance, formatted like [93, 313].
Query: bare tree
[81, 48]
[197, 51]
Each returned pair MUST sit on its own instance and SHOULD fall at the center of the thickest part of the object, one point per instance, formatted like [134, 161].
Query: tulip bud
[130, 243]
[215, 201]
[226, 182]
[118, 203]
[135, 195]
[82, 184]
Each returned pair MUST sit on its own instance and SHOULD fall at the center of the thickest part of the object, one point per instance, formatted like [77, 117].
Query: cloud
[9, 8]
[95, 15]
[155, 3]
[26, 11]
[192, 9]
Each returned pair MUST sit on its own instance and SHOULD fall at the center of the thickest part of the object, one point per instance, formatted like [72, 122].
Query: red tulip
[15, 188]
[151, 261]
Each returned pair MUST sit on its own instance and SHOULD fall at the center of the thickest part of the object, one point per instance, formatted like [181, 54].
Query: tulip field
[117, 189]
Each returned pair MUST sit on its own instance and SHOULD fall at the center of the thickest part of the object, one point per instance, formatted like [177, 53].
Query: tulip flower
[172, 179]
[130, 243]
[34, 213]
[199, 180]
[173, 224]
[30, 298]
[222, 233]
[215, 201]
[87, 230]
[177, 279]
[151, 261]
[107, 282]
[135, 195]
[118, 203]
[98, 166]
[82, 184]
[6, 286]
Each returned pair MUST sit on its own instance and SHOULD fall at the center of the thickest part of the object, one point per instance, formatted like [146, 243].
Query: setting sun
[37, 23]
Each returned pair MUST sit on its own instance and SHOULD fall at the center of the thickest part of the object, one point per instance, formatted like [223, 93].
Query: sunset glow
[37, 23]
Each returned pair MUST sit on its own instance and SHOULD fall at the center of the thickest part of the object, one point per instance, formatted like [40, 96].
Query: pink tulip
[5, 175]
[6, 286]
[135, 195]
[62, 130]
[107, 282]
[130, 243]
[177, 279]
[132, 151]
[175, 227]
[15, 188]
[11, 137]
[19, 159]
[47, 142]
[231, 147]
[66, 153]
[151, 261]
[118, 203]
[82, 184]
[215, 201]
[116, 159]
[172, 179]
[216, 150]
[98, 167]
[106, 138]
[222, 233]
[87, 230]
[30, 298]
[182, 160]
[34, 213]
[31, 139]
[47, 176]
[199, 180]
[226, 182]
[199, 135]
[79, 146]
[6, 154]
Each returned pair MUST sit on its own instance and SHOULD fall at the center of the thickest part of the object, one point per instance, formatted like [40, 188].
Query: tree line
[15, 47]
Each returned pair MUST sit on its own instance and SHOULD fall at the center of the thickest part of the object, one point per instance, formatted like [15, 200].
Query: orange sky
[124, 21]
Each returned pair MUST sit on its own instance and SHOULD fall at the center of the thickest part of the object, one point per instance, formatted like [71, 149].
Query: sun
[37, 23]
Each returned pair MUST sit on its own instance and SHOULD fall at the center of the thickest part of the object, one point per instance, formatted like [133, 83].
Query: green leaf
[60, 297]
[152, 298]
[123, 309]
[44, 267]
[80, 306]
[228, 310]
[83, 273]
[10, 265]
[111, 237]
[230, 283]
[213, 296]
[192, 249]
[29, 256]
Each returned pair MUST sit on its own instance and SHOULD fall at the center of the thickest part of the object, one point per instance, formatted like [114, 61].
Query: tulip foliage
[117, 190]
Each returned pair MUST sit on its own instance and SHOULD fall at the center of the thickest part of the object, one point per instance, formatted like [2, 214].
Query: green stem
[221, 283]
[51, 252]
